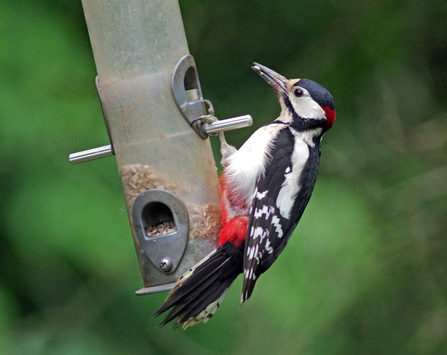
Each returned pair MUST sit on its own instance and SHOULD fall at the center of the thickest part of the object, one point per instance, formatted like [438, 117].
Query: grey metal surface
[153, 207]
[155, 289]
[228, 124]
[90, 154]
[209, 128]
[187, 92]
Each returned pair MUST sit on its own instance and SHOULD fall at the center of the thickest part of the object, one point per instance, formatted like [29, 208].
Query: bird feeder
[158, 124]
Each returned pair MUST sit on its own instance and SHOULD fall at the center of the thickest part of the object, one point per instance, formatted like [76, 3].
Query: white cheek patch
[290, 187]
[305, 107]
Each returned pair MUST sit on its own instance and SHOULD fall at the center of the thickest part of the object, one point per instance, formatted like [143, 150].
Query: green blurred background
[365, 273]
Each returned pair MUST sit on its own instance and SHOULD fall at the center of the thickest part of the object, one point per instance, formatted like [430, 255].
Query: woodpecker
[266, 186]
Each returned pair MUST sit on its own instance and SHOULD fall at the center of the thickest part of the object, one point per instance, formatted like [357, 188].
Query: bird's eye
[298, 92]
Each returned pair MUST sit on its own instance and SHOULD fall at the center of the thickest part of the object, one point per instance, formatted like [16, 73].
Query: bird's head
[305, 104]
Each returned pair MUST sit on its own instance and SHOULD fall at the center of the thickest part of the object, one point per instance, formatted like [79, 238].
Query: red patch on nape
[330, 115]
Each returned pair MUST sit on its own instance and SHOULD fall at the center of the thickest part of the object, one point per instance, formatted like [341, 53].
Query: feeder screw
[166, 264]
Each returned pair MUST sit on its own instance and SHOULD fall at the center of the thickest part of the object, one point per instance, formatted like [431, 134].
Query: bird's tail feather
[199, 292]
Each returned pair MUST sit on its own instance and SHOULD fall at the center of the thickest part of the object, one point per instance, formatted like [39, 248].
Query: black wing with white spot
[281, 196]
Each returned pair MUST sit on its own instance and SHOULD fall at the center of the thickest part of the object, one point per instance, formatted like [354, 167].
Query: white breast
[248, 163]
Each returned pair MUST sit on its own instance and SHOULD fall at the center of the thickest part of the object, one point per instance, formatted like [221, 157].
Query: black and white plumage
[267, 184]
[280, 198]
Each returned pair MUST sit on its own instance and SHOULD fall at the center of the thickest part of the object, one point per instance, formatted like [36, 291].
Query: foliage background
[366, 272]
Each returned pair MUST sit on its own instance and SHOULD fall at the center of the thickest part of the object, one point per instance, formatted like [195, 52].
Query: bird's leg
[225, 149]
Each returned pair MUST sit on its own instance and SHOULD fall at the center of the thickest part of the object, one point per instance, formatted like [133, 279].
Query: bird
[265, 186]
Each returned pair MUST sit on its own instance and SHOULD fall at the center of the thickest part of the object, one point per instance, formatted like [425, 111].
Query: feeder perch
[158, 124]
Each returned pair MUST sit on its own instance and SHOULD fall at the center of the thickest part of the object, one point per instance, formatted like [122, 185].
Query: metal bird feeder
[158, 123]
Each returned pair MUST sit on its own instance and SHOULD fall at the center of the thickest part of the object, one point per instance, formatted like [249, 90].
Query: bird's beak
[273, 78]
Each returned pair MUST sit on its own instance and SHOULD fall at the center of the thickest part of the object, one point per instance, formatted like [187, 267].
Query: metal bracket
[189, 99]
[188, 93]
[188, 96]
[155, 208]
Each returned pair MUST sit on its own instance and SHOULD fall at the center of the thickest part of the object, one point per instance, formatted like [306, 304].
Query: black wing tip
[155, 315]
[161, 310]
[166, 321]
[176, 325]
[247, 289]
[179, 322]
[245, 296]
[163, 323]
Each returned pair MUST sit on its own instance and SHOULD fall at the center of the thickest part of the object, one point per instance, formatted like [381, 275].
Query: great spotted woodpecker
[266, 185]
